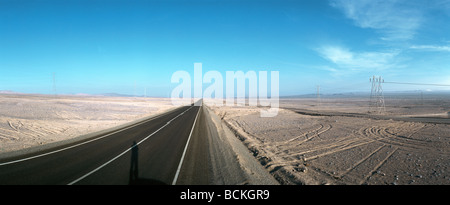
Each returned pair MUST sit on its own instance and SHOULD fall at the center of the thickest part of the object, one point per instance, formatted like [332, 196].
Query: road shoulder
[217, 157]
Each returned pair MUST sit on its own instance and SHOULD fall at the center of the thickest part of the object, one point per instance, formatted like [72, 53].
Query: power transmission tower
[134, 89]
[318, 95]
[54, 83]
[376, 95]
[421, 97]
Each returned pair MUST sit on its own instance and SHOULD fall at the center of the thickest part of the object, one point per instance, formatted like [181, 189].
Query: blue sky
[128, 46]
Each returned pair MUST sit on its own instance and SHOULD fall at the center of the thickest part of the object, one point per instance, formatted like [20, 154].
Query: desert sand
[331, 141]
[33, 120]
[336, 140]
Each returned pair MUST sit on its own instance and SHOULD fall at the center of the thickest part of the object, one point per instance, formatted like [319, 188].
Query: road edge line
[185, 149]
[124, 152]
[95, 138]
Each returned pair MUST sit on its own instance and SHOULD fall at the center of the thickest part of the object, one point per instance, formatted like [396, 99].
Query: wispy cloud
[349, 60]
[431, 48]
[394, 20]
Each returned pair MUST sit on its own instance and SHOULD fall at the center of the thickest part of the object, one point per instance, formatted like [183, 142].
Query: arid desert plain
[331, 140]
[335, 140]
[32, 120]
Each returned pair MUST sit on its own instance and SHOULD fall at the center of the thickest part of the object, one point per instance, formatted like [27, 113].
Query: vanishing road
[148, 152]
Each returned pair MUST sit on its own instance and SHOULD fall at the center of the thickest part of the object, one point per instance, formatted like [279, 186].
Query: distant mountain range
[7, 92]
[116, 95]
[77, 94]
[359, 94]
[311, 95]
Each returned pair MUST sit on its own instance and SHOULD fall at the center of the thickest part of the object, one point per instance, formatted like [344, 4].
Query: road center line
[124, 152]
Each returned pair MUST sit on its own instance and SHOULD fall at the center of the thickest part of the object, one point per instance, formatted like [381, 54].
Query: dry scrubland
[32, 120]
[338, 142]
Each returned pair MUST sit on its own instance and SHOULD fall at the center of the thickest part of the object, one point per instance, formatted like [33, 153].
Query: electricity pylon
[376, 96]
[318, 96]
[54, 83]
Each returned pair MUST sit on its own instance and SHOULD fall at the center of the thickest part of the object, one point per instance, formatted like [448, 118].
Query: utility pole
[376, 95]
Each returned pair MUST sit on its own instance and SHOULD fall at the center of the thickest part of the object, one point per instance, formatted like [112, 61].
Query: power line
[417, 84]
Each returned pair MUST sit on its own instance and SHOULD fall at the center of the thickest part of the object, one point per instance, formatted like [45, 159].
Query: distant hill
[8, 92]
[333, 95]
[115, 95]
[407, 93]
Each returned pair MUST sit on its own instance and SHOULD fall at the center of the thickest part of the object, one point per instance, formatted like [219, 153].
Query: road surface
[148, 152]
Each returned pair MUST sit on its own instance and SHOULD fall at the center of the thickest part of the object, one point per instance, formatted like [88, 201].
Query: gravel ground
[341, 149]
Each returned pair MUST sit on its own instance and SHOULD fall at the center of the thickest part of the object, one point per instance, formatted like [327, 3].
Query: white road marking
[124, 152]
[66, 148]
[184, 152]
[76, 145]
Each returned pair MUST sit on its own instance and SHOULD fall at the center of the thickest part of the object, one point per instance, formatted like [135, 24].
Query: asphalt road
[149, 152]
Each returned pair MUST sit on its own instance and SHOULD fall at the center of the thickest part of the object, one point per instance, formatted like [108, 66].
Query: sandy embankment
[32, 120]
[233, 162]
[312, 149]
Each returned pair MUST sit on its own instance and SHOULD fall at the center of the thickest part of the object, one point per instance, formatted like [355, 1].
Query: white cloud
[394, 20]
[431, 48]
[328, 68]
[346, 59]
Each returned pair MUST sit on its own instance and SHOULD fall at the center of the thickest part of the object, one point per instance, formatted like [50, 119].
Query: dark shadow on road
[134, 170]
